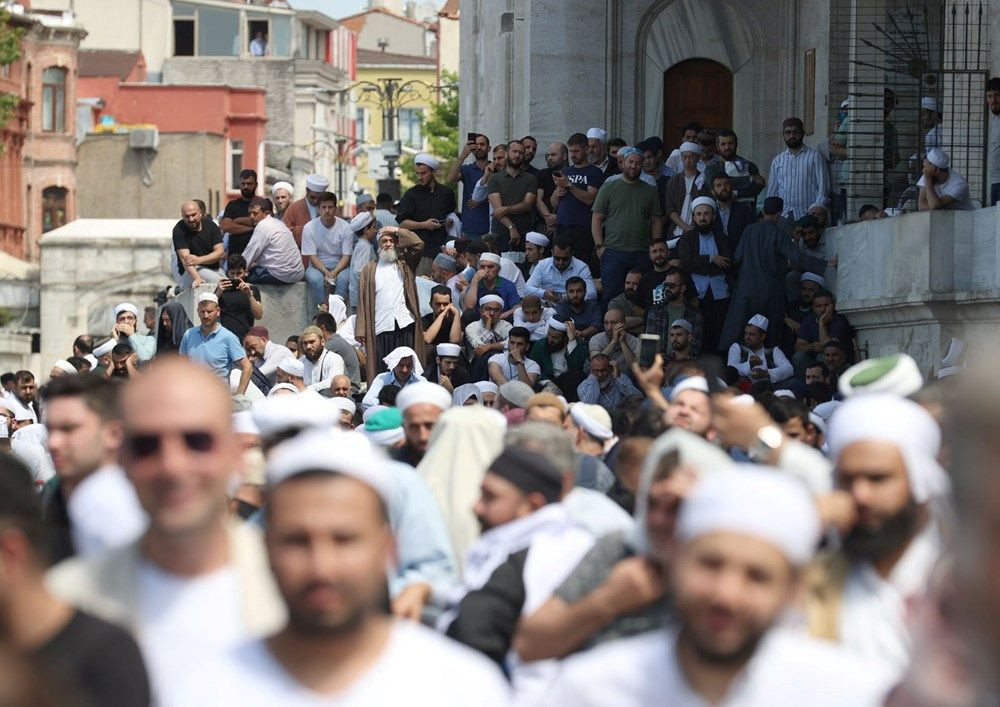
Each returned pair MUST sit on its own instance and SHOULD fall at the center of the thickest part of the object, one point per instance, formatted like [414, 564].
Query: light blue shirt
[144, 346]
[219, 350]
[720, 288]
[382, 380]
[546, 276]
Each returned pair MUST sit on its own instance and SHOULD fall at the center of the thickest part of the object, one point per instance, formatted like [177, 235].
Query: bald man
[197, 247]
[191, 568]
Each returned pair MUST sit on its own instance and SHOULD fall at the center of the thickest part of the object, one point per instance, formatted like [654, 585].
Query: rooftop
[371, 57]
[356, 22]
[111, 228]
[107, 62]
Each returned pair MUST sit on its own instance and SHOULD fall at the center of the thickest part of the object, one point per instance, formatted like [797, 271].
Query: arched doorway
[696, 89]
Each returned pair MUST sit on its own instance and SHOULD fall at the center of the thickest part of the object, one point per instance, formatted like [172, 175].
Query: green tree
[10, 51]
[440, 128]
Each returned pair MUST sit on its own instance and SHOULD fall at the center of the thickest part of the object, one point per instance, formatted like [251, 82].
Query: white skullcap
[896, 374]
[784, 393]
[208, 297]
[336, 451]
[450, 245]
[818, 422]
[490, 258]
[690, 147]
[423, 392]
[759, 321]
[818, 205]
[448, 350]
[939, 158]
[65, 366]
[683, 324]
[344, 404]
[486, 299]
[281, 386]
[317, 182]
[826, 409]
[594, 420]
[537, 238]
[401, 352]
[929, 103]
[487, 387]
[362, 199]
[597, 134]
[426, 160]
[282, 185]
[813, 277]
[288, 412]
[371, 411]
[557, 325]
[757, 501]
[884, 417]
[92, 360]
[127, 307]
[362, 220]
[105, 348]
[243, 423]
[704, 201]
[845, 103]
[698, 383]
[385, 438]
[292, 366]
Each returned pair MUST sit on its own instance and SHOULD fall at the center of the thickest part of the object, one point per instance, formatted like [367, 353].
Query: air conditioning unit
[144, 139]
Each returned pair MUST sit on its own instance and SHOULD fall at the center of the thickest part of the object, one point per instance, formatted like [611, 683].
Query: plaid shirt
[658, 322]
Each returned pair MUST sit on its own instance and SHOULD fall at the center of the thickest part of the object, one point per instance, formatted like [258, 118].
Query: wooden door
[696, 89]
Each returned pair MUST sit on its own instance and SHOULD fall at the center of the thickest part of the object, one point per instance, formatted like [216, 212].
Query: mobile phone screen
[649, 344]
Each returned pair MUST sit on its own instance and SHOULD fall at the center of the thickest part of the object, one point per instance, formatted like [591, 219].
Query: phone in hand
[557, 173]
[649, 345]
[471, 137]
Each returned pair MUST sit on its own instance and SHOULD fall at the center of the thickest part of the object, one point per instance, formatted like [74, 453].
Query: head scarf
[169, 341]
[464, 392]
[401, 352]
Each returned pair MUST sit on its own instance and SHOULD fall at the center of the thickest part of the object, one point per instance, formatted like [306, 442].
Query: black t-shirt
[236, 313]
[238, 208]
[647, 284]
[97, 662]
[442, 336]
[547, 185]
[419, 204]
[199, 243]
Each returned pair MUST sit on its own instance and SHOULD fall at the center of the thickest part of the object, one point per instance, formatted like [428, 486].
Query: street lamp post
[341, 142]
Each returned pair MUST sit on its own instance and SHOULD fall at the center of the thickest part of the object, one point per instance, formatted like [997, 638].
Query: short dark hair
[20, 507]
[529, 137]
[617, 142]
[820, 365]
[440, 290]
[84, 343]
[783, 410]
[658, 239]
[122, 349]
[865, 208]
[387, 395]
[23, 376]
[577, 139]
[691, 125]
[247, 173]
[77, 362]
[491, 242]
[562, 241]
[727, 132]
[262, 203]
[98, 394]
[823, 293]
[384, 198]
[720, 174]
[520, 332]
[293, 338]
[576, 280]
[819, 391]
[201, 206]
[514, 142]
[325, 320]
[236, 261]
[476, 248]
[993, 84]
[327, 196]
[6, 378]
[634, 272]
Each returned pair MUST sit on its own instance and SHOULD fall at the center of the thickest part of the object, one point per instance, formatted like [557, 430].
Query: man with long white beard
[388, 309]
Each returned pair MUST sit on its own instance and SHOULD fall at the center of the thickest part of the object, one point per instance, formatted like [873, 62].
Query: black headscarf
[170, 341]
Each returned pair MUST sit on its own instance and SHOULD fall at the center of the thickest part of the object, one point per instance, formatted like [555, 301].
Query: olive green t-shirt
[628, 209]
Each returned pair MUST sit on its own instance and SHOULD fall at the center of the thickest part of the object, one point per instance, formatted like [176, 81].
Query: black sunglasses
[142, 446]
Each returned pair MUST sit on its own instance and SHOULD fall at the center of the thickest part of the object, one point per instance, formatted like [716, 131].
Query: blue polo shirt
[474, 221]
[506, 290]
[219, 350]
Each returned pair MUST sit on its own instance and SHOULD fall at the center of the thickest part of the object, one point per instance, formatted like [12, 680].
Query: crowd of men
[593, 435]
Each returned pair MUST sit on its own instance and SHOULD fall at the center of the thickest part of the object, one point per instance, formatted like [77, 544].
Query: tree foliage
[10, 51]
[440, 128]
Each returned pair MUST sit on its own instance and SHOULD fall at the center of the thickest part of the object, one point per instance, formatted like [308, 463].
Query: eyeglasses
[492, 309]
[142, 446]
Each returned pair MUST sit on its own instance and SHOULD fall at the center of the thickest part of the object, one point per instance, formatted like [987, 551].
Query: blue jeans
[615, 265]
[316, 283]
[262, 276]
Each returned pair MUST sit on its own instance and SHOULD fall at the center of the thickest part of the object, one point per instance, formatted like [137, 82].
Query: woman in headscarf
[172, 321]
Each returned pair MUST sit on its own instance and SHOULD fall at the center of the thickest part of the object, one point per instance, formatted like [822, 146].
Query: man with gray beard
[388, 309]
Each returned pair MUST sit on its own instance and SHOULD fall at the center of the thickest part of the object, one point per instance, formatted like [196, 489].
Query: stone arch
[672, 31]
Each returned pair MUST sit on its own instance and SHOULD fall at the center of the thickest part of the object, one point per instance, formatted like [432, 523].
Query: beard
[388, 256]
[707, 654]
[866, 544]
[313, 623]
[793, 142]
[703, 227]
[631, 295]
[552, 348]
[247, 193]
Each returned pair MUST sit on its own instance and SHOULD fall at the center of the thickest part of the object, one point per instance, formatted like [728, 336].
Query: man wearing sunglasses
[193, 586]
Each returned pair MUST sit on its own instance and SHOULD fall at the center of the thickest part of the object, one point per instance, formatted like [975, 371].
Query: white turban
[487, 387]
[759, 321]
[317, 183]
[784, 393]
[597, 134]
[105, 348]
[423, 392]
[704, 201]
[884, 417]
[361, 221]
[65, 366]
[371, 411]
[426, 160]
[92, 360]
[281, 386]
[486, 299]
[244, 424]
[127, 307]
[690, 147]
[347, 453]
[490, 258]
[557, 325]
[594, 420]
[757, 501]
[385, 438]
[292, 366]
[929, 103]
[282, 185]
[537, 238]
[813, 277]
[698, 383]
[939, 158]
[208, 297]
[289, 412]
[401, 352]
[344, 404]
[464, 392]
[897, 374]
[448, 350]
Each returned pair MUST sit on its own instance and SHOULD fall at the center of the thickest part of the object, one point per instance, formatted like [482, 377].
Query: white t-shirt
[186, 626]
[327, 243]
[417, 668]
[509, 370]
[956, 187]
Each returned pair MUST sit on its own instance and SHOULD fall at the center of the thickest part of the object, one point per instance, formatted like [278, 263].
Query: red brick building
[12, 137]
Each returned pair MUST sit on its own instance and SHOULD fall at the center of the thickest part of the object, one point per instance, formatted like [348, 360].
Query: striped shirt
[800, 180]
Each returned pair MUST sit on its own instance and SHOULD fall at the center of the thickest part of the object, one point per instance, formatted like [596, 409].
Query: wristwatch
[769, 439]
[511, 227]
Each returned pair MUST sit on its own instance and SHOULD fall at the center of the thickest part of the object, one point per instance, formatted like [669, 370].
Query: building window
[410, 127]
[53, 208]
[183, 36]
[54, 100]
[235, 163]
[361, 119]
